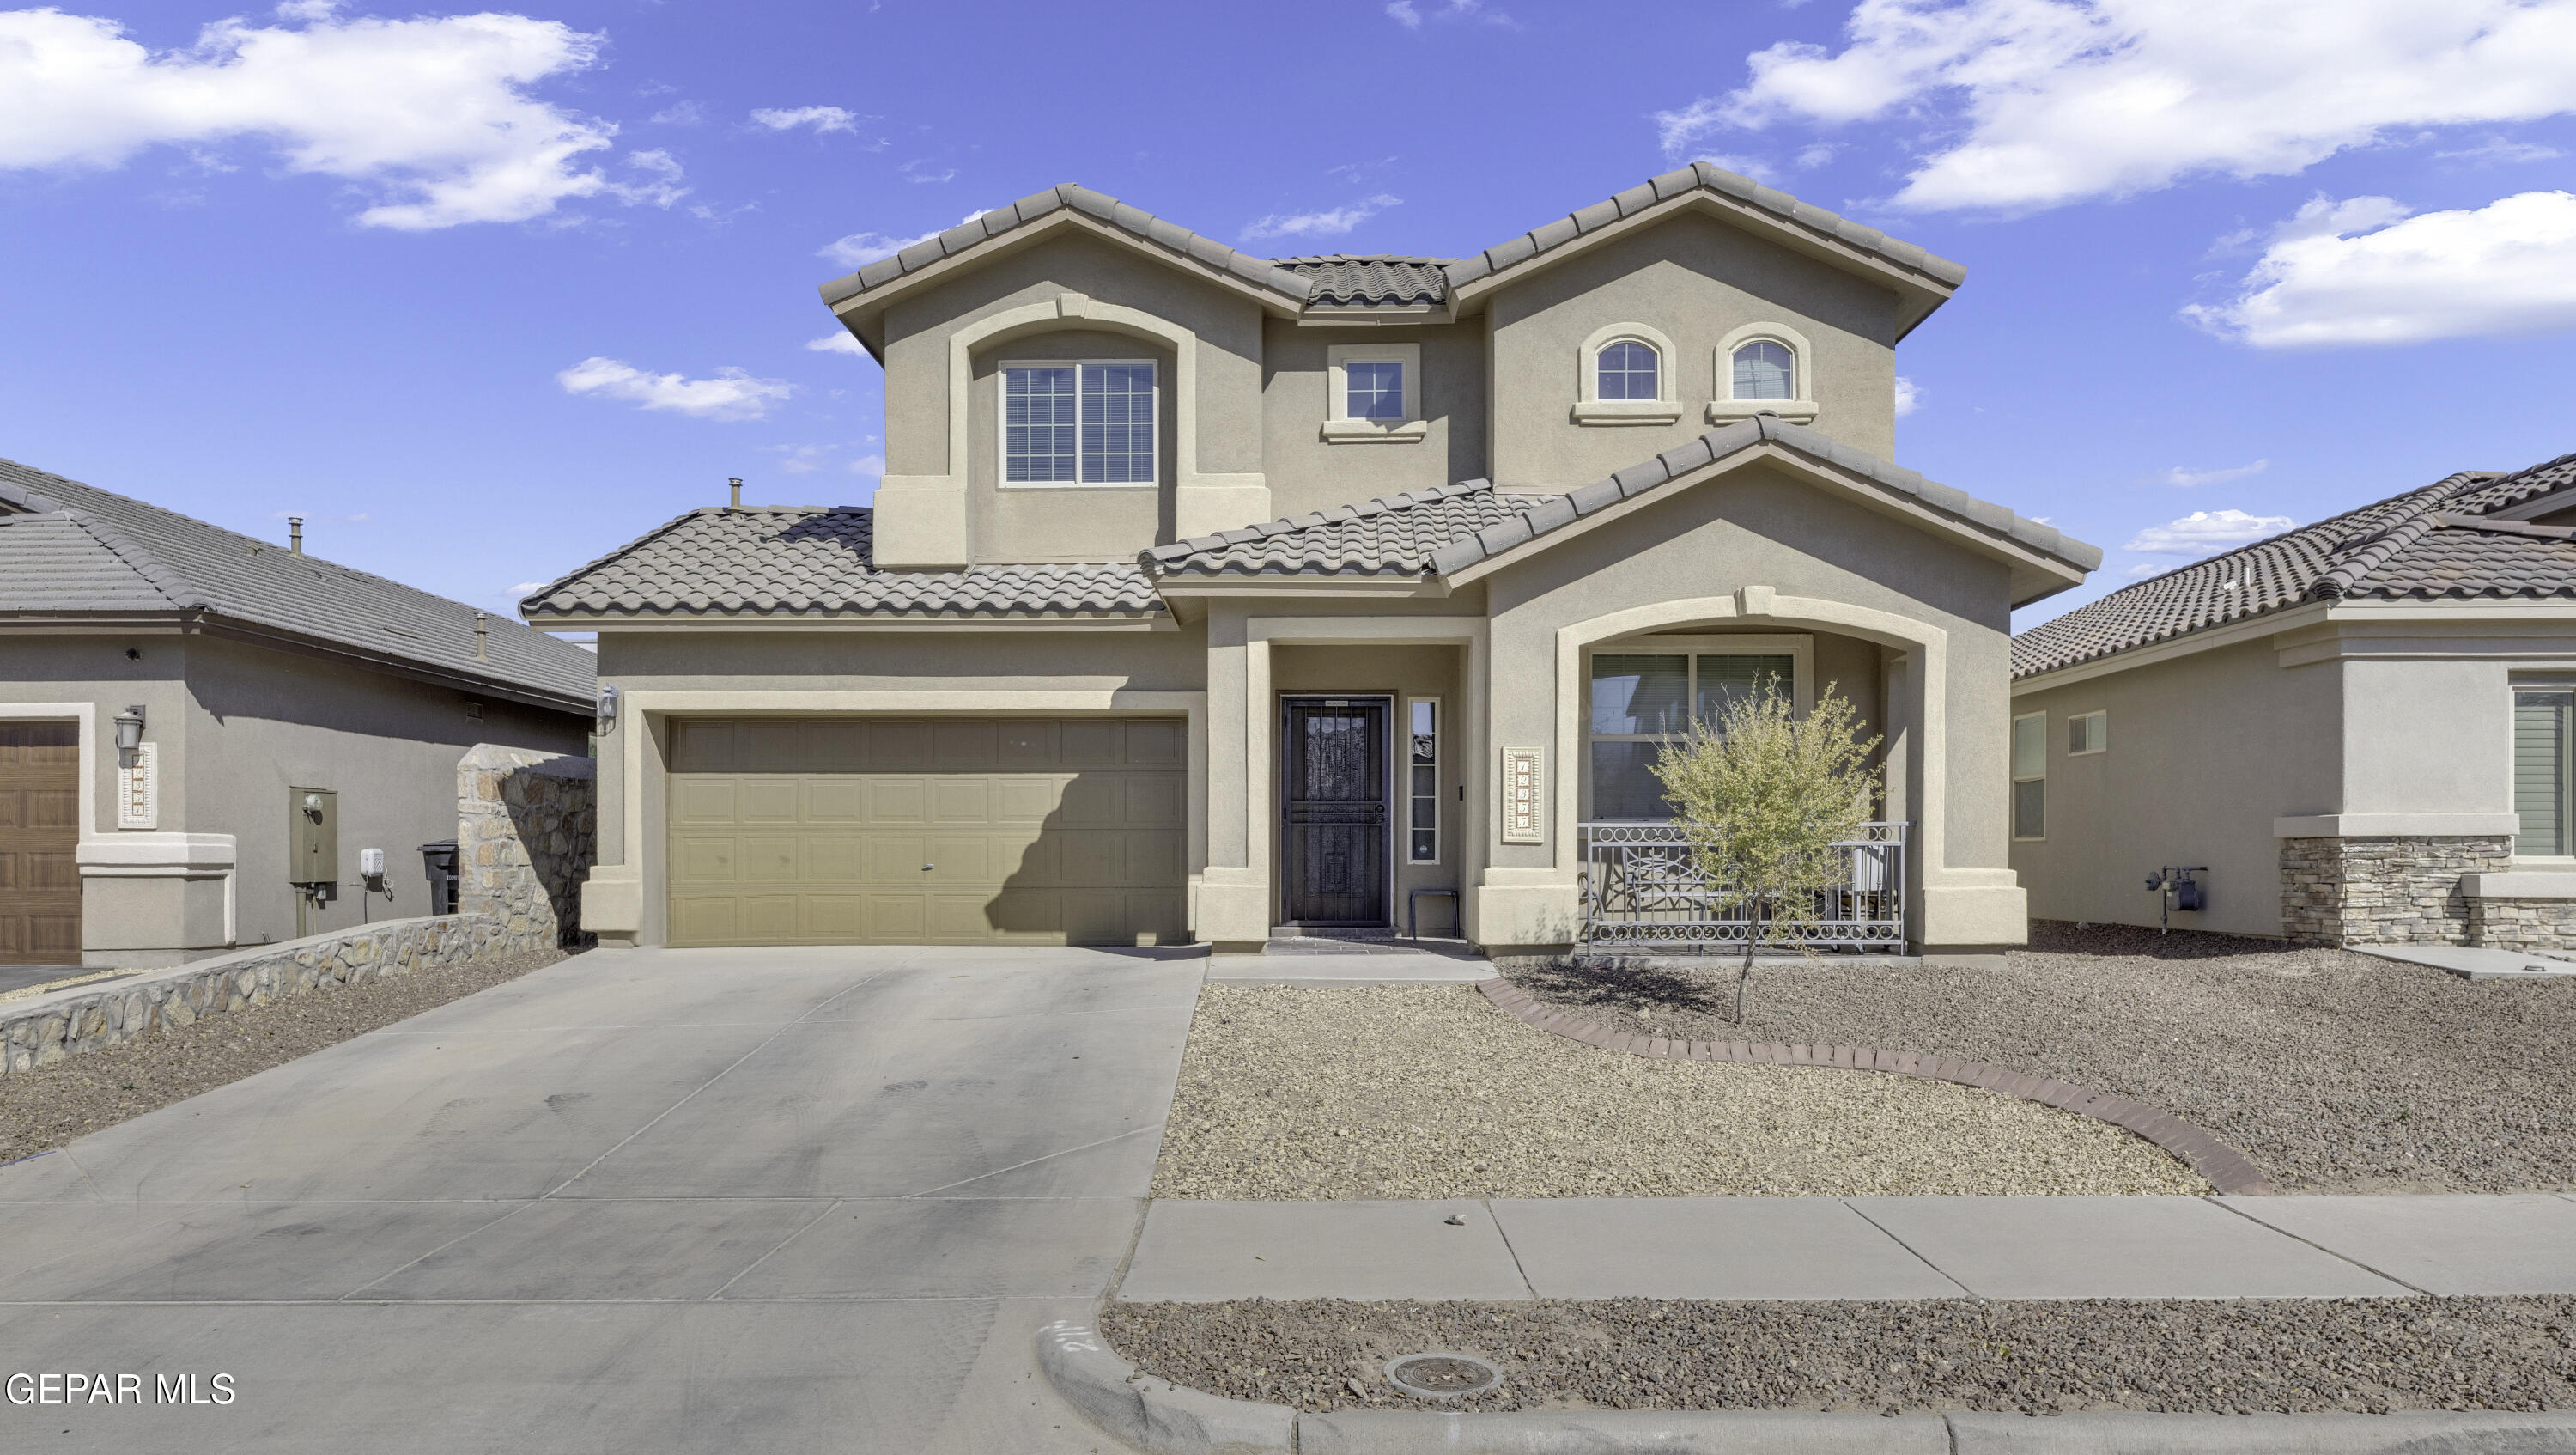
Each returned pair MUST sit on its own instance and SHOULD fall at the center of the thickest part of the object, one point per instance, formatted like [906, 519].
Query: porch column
[1233, 911]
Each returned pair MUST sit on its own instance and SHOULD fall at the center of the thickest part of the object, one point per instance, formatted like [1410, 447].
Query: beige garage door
[875, 831]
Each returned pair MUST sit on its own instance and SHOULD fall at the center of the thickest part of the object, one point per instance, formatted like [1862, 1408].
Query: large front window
[1644, 700]
[1078, 424]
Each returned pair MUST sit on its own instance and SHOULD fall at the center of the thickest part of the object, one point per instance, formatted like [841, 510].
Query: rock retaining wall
[2534, 925]
[47, 1028]
[2383, 891]
[526, 832]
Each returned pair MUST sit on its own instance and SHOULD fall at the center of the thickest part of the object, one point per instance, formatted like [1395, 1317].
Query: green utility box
[312, 836]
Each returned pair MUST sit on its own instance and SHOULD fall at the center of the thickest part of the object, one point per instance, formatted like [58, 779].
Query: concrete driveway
[655, 1200]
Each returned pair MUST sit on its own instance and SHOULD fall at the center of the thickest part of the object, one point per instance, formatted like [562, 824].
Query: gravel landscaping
[55, 1105]
[2333, 1071]
[2233, 1356]
[1295, 1092]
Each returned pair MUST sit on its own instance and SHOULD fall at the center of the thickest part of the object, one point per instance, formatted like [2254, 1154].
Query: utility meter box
[312, 836]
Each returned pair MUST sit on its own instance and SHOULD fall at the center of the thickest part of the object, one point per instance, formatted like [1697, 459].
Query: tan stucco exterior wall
[235, 726]
[1695, 279]
[1308, 472]
[1064, 522]
[2203, 753]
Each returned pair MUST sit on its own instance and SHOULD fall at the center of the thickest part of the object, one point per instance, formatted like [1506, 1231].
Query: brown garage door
[40, 890]
[849, 831]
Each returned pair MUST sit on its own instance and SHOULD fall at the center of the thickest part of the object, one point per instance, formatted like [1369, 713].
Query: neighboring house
[255, 670]
[1170, 621]
[2361, 728]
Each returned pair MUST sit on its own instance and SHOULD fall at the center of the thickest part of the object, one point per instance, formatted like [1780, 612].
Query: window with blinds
[2541, 724]
[2030, 776]
[1642, 701]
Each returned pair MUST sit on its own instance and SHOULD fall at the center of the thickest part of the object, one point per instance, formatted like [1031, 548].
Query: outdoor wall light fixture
[129, 734]
[607, 708]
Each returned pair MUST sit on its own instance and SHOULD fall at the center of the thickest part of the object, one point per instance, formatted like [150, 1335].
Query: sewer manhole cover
[1442, 1375]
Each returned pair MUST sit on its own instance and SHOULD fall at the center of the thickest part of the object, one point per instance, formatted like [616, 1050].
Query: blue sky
[483, 296]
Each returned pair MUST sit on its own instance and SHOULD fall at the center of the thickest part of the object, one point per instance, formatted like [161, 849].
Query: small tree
[1764, 795]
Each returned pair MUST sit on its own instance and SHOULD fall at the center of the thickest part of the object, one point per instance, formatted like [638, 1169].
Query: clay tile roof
[2438, 542]
[1351, 279]
[1396, 535]
[70, 548]
[817, 560]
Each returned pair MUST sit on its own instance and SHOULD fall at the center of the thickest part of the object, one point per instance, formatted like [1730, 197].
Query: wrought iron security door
[1335, 805]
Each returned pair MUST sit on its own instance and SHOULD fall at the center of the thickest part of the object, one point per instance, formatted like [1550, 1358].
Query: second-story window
[1376, 390]
[1078, 423]
[1765, 370]
[1629, 370]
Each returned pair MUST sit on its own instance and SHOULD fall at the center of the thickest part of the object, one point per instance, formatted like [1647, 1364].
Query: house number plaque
[1523, 775]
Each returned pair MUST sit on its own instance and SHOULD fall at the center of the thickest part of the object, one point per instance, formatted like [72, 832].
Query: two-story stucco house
[1207, 594]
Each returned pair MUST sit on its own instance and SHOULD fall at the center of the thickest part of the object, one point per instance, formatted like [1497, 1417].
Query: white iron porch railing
[1641, 888]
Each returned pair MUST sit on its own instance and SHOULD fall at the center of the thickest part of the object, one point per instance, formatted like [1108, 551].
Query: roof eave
[862, 309]
[1918, 292]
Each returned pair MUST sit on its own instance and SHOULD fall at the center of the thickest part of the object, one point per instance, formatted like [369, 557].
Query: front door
[1335, 804]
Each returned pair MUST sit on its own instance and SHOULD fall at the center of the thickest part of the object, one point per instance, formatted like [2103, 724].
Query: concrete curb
[1163, 1418]
[2227, 1169]
[1155, 1415]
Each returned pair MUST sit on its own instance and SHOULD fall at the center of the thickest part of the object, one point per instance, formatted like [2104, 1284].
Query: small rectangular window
[1422, 771]
[1376, 390]
[1079, 424]
[2030, 776]
[2542, 722]
[2087, 732]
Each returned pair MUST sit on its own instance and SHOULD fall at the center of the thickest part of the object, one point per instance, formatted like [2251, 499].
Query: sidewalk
[1857, 1248]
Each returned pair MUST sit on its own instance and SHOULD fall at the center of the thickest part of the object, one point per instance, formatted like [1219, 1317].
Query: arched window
[1630, 370]
[1765, 369]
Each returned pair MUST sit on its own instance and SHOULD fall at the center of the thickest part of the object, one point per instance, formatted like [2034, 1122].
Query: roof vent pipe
[295, 535]
[482, 636]
[736, 483]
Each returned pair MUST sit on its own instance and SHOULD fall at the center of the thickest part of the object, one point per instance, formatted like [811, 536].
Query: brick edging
[2227, 1169]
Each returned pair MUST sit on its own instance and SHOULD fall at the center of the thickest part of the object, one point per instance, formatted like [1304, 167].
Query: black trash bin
[438, 861]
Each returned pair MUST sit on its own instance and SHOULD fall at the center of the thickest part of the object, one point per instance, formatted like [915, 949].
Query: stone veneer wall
[45, 1029]
[2523, 924]
[526, 833]
[2383, 891]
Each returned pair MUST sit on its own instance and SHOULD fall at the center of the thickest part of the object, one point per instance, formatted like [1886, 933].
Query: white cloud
[2506, 268]
[432, 116]
[731, 395]
[844, 342]
[2496, 151]
[1410, 15]
[2144, 569]
[525, 589]
[2204, 531]
[868, 465]
[1815, 154]
[657, 183]
[2026, 104]
[2189, 478]
[821, 118]
[1331, 223]
[679, 113]
[921, 170]
[862, 248]
[1909, 398]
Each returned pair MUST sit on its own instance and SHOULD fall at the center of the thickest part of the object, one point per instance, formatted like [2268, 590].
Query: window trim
[1340, 428]
[2099, 736]
[1800, 647]
[2014, 775]
[1725, 408]
[1591, 409]
[1439, 730]
[1002, 425]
